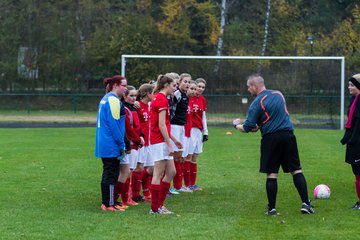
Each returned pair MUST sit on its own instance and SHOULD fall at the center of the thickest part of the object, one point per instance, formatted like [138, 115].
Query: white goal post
[341, 59]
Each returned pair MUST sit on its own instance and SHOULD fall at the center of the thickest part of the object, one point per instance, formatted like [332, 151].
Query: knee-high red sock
[149, 180]
[357, 186]
[128, 186]
[146, 182]
[164, 189]
[193, 173]
[187, 173]
[155, 195]
[117, 191]
[177, 181]
[136, 180]
[125, 190]
[182, 172]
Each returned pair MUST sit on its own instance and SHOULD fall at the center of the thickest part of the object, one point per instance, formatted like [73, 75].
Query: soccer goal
[314, 87]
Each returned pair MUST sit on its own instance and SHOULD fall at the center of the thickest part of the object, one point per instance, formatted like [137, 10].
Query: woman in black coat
[352, 133]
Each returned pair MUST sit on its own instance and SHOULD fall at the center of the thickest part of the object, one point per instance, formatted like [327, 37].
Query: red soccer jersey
[158, 104]
[144, 117]
[198, 107]
[188, 124]
[132, 128]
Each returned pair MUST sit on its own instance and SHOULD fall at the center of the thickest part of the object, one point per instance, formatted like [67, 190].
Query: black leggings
[109, 178]
[356, 169]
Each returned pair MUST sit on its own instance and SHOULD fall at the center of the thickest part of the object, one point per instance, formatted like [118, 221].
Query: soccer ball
[322, 191]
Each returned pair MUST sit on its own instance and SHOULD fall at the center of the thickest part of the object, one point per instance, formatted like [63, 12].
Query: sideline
[44, 125]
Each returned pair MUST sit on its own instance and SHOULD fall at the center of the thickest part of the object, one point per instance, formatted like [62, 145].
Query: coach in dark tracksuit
[268, 113]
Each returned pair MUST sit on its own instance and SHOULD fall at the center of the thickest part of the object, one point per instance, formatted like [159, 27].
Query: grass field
[50, 189]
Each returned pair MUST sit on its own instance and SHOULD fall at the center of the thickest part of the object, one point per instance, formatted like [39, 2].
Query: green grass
[50, 189]
[47, 113]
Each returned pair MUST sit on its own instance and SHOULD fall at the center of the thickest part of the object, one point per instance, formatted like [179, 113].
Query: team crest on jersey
[145, 116]
[195, 107]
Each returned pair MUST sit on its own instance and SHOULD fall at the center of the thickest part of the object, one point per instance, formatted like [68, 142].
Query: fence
[305, 110]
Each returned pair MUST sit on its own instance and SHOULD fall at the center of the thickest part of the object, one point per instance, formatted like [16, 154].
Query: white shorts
[196, 142]
[186, 147]
[131, 158]
[179, 133]
[145, 157]
[159, 152]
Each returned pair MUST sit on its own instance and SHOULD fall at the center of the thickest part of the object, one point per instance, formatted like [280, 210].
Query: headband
[355, 82]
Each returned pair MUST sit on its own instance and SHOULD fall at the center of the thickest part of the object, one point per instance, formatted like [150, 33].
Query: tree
[190, 24]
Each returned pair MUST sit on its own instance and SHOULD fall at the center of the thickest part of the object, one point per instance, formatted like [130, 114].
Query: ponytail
[161, 81]
[110, 81]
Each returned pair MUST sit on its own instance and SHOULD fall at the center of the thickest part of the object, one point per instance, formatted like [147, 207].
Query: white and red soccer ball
[322, 191]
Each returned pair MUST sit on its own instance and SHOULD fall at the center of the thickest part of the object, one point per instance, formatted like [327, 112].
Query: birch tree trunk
[82, 67]
[221, 36]
[266, 31]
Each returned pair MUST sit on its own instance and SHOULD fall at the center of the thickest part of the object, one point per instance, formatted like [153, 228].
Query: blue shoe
[185, 189]
[272, 212]
[195, 188]
[307, 208]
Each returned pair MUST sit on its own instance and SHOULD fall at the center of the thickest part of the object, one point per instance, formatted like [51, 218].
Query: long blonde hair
[161, 81]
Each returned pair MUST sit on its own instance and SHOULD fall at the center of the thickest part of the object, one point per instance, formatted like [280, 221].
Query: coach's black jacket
[352, 135]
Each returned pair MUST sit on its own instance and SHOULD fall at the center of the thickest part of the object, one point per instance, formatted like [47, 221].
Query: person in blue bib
[268, 113]
[110, 138]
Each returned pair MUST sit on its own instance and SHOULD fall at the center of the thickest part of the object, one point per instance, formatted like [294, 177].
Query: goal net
[313, 86]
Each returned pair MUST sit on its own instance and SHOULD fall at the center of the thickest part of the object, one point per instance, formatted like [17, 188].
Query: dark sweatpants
[109, 178]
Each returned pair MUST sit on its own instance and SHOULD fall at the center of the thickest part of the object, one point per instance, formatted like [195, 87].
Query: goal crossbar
[339, 58]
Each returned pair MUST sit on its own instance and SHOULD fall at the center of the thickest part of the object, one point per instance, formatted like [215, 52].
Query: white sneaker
[174, 191]
[164, 210]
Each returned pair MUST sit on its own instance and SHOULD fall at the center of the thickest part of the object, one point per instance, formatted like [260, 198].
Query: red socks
[357, 186]
[193, 172]
[146, 182]
[187, 173]
[117, 191]
[155, 195]
[136, 180]
[124, 190]
[177, 181]
[164, 190]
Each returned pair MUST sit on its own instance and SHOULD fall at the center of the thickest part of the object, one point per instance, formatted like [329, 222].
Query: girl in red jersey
[142, 174]
[133, 134]
[185, 154]
[161, 148]
[199, 131]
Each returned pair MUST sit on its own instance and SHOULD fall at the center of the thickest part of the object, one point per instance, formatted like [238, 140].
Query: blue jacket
[110, 127]
[269, 112]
